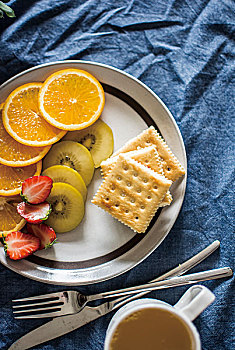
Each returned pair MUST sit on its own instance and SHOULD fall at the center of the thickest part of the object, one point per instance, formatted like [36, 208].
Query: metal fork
[70, 302]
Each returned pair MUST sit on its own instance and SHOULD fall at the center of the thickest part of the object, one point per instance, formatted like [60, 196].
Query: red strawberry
[36, 189]
[45, 233]
[34, 213]
[19, 245]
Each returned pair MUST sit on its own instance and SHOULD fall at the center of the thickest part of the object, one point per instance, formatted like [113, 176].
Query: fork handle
[168, 283]
[179, 270]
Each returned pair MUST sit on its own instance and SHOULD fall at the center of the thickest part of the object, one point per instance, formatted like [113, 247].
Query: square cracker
[132, 193]
[171, 166]
[147, 156]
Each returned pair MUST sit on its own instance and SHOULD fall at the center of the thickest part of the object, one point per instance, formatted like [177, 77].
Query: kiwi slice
[73, 155]
[61, 173]
[67, 207]
[97, 138]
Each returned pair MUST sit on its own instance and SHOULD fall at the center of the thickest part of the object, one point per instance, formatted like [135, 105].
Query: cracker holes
[126, 211]
[132, 200]
[125, 167]
[149, 198]
[147, 141]
[168, 168]
[135, 174]
[138, 190]
[146, 161]
[128, 184]
[145, 181]
[119, 178]
[112, 187]
[155, 187]
[142, 207]
[136, 218]
[117, 205]
[123, 194]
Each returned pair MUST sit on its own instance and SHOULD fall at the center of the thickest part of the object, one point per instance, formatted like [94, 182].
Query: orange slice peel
[10, 220]
[14, 154]
[11, 178]
[23, 121]
[71, 99]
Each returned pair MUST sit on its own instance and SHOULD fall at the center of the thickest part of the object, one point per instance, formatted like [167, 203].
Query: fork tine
[52, 314]
[60, 303]
[50, 295]
[47, 310]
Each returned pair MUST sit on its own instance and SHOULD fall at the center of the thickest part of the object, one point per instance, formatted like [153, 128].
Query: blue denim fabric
[184, 51]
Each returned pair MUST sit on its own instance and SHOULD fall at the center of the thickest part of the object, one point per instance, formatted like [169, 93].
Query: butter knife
[65, 324]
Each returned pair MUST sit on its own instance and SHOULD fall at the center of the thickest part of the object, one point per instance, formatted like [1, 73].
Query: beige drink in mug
[150, 324]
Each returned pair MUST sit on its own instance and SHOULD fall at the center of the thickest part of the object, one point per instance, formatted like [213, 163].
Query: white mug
[191, 304]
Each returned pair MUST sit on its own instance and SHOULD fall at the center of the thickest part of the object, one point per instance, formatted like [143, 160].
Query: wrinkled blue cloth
[184, 51]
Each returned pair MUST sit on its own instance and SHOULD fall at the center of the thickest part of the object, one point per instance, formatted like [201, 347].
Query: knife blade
[65, 324]
[60, 326]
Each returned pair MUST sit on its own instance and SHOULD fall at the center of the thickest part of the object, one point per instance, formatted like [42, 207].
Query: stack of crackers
[137, 179]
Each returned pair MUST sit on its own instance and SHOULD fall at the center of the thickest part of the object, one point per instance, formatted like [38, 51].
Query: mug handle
[195, 300]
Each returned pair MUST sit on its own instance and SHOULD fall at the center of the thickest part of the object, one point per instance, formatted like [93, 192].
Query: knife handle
[177, 271]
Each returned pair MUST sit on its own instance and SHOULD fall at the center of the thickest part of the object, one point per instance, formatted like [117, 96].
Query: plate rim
[132, 264]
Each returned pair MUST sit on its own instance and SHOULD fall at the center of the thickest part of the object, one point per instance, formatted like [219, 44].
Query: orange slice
[10, 220]
[23, 121]
[71, 99]
[13, 153]
[11, 179]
